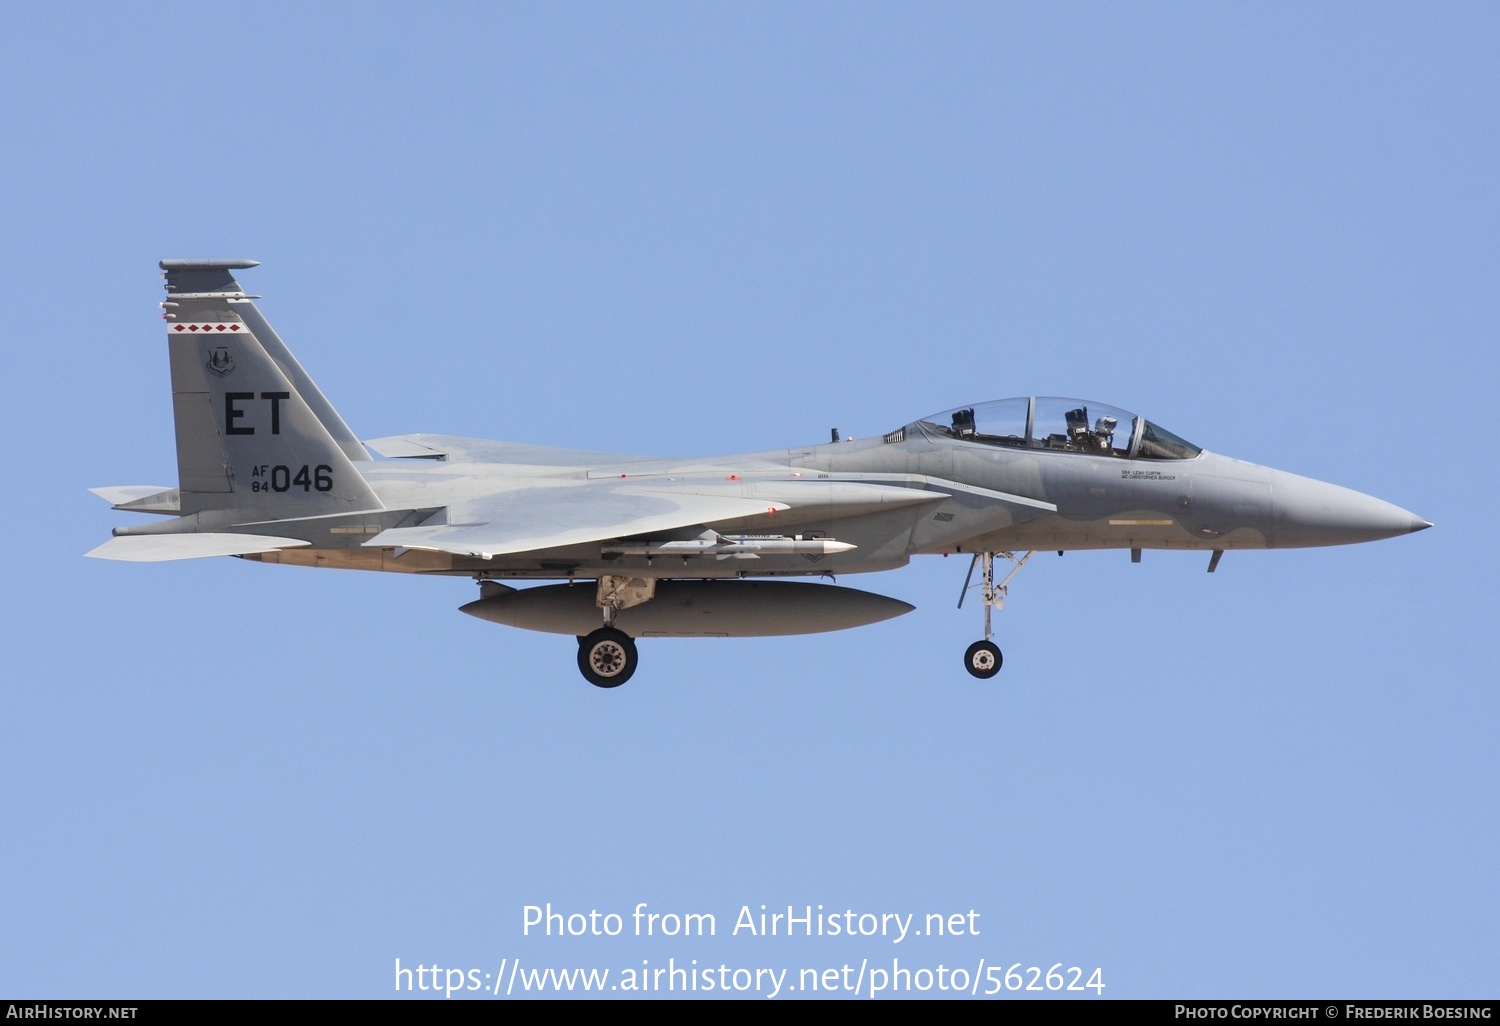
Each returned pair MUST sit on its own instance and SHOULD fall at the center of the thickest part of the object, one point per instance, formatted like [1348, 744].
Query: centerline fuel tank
[692, 609]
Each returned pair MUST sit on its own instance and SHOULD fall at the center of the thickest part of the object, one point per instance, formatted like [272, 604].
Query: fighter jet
[649, 547]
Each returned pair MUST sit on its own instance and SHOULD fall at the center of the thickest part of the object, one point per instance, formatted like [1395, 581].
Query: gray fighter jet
[268, 471]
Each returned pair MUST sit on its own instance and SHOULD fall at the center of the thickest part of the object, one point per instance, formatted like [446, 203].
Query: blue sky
[696, 229]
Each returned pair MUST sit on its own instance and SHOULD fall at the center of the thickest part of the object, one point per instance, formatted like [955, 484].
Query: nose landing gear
[983, 658]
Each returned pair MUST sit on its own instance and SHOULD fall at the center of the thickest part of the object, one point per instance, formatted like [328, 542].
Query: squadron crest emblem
[220, 362]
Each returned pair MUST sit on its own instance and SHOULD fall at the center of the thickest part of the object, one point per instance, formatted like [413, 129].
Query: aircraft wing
[457, 449]
[572, 513]
[548, 517]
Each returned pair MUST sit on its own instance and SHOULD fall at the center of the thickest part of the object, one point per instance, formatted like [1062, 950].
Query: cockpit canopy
[1062, 425]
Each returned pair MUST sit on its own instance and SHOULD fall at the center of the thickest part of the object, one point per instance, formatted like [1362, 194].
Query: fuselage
[1104, 497]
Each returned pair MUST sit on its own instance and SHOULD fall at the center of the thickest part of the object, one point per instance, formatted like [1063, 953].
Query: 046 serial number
[278, 478]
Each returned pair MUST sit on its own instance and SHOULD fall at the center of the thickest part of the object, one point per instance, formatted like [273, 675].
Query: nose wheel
[983, 658]
[607, 657]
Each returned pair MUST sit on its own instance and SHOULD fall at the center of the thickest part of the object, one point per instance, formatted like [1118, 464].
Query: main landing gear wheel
[983, 659]
[607, 657]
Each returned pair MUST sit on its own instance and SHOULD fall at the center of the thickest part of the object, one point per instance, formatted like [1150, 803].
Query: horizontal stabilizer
[157, 548]
[141, 498]
[120, 495]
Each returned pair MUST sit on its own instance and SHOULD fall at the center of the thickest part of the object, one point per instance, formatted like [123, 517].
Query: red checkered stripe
[217, 327]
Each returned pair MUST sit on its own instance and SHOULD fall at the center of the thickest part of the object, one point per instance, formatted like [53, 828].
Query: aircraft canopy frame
[1055, 424]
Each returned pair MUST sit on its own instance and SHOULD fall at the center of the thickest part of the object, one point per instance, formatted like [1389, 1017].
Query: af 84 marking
[280, 478]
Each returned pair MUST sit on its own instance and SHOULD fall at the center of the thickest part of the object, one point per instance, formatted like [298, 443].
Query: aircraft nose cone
[1309, 512]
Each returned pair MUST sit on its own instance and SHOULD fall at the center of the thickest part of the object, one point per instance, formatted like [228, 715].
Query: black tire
[607, 657]
[983, 659]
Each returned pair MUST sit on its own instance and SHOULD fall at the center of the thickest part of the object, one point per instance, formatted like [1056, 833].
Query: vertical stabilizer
[196, 276]
[254, 434]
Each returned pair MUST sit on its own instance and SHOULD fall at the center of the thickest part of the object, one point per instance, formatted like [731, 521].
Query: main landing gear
[983, 658]
[607, 657]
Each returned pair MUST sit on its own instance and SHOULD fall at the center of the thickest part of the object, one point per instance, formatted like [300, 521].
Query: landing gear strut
[983, 658]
